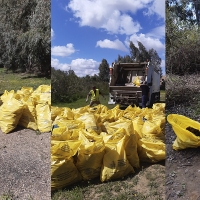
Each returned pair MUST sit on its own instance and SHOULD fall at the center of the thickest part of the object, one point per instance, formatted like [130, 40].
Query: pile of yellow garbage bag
[88, 143]
[26, 107]
[186, 130]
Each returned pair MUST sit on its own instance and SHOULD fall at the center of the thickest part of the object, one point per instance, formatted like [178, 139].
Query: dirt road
[25, 165]
[183, 166]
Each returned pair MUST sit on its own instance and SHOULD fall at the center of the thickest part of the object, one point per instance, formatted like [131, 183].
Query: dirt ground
[25, 165]
[183, 166]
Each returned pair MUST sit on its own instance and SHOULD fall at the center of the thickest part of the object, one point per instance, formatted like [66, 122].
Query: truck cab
[125, 80]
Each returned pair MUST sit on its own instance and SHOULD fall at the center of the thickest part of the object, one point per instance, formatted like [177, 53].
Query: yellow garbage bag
[29, 118]
[78, 111]
[117, 112]
[43, 113]
[90, 143]
[98, 109]
[42, 94]
[65, 149]
[55, 111]
[10, 113]
[138, 124]
[43, 89]
[89, 165]
[115, 162]
[159, 106]
[185, 129]
[89, 120]
[6, 96]
[107, 117]
[151, 129]
[70, 124]
[90, 155]
[60, 134]
[116, 130]
[137, 81]
[67, 113]
[25, 93]
[151, 150]
[63, 173]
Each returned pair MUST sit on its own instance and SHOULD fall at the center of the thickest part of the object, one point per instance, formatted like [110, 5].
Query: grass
[13, 81]
[7, 196]
[137, 186]
[81, 102]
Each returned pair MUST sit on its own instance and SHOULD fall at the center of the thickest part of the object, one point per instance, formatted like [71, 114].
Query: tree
[182, 38]
[143, 53]
[185, 10]
[104, 71]
[155, 60]
[134, 51]
[125, 59]
[26, 36]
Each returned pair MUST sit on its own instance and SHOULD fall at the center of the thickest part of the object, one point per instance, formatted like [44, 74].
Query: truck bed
[126, 95]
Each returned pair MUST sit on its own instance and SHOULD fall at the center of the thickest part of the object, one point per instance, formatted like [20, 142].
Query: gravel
[25, 165]
[182, 166]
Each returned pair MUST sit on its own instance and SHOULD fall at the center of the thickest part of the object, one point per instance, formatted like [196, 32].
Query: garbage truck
[125, 80]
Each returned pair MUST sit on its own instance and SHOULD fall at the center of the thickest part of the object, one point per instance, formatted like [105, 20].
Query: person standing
[145, 93]
[94, 93]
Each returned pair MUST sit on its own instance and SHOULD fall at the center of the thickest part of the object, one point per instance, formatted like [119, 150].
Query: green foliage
[182, 40]
[155, 60]
[68, 87]
[140, 54]
[125, 59]
[104, 71]
[25, 36]
[185, 10]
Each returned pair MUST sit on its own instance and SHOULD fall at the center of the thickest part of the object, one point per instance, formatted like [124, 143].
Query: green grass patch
[81, 103]
[15, 81]
[7, 196]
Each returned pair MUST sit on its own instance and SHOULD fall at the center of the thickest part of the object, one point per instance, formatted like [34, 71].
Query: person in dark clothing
[145, 93]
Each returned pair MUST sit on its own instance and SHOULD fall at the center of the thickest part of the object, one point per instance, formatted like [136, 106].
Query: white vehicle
[124, 85]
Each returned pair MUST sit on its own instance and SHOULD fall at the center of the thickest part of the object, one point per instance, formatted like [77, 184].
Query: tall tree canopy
[185, 10]
[141, 54]
[104, 71]
[182, 37]
[25, 35]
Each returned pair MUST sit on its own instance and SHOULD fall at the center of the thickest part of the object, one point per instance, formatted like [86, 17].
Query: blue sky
[83, 32]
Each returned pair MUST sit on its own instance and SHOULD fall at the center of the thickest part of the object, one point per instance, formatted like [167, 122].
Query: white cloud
[116, 44]
[52, 34]
[157, 7]
[63, 50]
[112, 15]
[81, 67]
[148, 42]
[158, 32]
